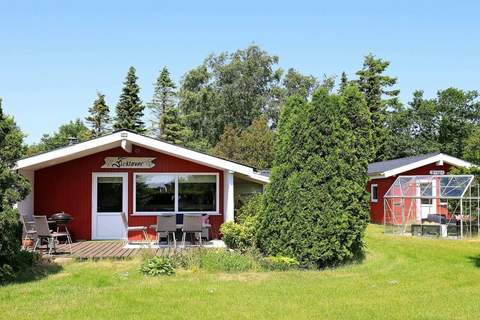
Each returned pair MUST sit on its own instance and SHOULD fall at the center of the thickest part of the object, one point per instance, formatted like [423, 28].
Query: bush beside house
[13, 188]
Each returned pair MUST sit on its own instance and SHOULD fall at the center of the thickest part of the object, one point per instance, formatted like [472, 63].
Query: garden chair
[166, 225]
[43, 232]
[128, 229]
[29, 232]
[192, 224]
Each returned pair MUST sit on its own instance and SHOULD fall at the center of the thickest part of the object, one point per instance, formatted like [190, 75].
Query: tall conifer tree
[374, 84]
[130, 108]
[163, 98]
[99, 117]
[316, 207]
[172, 127]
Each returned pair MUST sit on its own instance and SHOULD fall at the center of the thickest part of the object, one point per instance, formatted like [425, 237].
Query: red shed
[383, 174]
[95, 181]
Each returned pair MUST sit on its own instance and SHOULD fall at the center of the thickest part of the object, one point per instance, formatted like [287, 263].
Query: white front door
[109, 200]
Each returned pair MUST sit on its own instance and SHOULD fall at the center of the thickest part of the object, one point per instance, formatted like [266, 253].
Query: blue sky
[55, 55]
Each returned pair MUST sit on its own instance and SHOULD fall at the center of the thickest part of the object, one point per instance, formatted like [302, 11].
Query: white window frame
[176, 211]
[372, 199]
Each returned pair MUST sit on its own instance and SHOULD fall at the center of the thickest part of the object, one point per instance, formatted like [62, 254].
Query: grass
[401, 278]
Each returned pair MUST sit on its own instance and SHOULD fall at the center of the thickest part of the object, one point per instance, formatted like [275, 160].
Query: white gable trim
[124, 139]
[439, 158]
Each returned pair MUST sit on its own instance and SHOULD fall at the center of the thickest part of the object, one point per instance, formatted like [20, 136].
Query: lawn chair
[166, 225]
[44, 233]
[29, 232]
[192, 224]
[128, 229]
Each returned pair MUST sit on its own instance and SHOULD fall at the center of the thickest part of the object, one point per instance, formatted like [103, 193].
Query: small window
[374, 193]
[109, 194]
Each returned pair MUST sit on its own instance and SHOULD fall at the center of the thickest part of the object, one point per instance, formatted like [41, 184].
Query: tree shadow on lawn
[475, 260]
[37, 272]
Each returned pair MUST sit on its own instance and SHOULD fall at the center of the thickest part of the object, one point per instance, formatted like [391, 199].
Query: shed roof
[396, 166]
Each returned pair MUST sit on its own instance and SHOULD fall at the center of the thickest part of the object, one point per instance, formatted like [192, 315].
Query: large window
[182, 193]
[197, 193]
[154, 192]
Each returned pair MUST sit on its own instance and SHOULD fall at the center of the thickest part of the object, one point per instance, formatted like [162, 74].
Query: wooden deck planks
[109, 250]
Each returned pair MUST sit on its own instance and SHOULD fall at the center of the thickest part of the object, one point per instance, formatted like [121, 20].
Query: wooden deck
[106, 250]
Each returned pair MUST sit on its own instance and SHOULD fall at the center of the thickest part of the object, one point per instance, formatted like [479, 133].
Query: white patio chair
[166, 225]
[128, 229]
[192, 224]
[44, 232]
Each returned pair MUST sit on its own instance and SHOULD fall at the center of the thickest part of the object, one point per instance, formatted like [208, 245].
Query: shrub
[157, 266]
[279, 263]
[239, 236]
[250, 208]
[316, 206]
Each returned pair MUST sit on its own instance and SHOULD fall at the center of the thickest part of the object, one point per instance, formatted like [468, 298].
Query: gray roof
[382, 166]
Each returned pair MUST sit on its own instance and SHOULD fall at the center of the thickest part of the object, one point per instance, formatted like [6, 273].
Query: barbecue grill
[61, 218]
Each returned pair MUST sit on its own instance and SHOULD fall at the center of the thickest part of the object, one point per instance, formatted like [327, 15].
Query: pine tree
[99, 117]
[13, 188]
[343, 81]
[315, 208]
[163, 98]
[374, 85]
[130, 108]
[172, 127]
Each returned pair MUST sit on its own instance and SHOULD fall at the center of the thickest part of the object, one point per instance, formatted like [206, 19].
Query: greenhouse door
[426, 190]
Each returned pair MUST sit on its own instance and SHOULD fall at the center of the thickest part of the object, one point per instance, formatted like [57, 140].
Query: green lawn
[401, 278]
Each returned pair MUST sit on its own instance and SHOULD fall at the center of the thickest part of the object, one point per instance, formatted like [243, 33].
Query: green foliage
[374, 84]
[253, 146]
[251, 208]
[279, 263]
[231, 89]
[472, 147]
[239, 236]
[13, 188]
[99, 117]
[157, 266]
[172, 127]
[73, 130]
[316, 206]
[297, 84]
[163, 98]
[130, 108]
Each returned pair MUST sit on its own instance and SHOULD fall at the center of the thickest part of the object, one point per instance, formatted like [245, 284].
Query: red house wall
[376, 208]
[68, 187]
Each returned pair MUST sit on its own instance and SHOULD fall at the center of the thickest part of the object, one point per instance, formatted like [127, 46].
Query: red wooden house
[383, 174]
[95, 181]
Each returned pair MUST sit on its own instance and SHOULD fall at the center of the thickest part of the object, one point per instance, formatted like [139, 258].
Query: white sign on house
[128, 163]
[437, 172]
